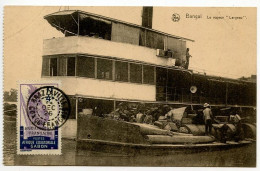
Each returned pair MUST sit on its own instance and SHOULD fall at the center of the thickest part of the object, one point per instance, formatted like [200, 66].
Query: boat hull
[130, 149]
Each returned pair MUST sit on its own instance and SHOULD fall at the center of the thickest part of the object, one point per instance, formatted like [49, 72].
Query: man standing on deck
[207, 113]
[187, 58]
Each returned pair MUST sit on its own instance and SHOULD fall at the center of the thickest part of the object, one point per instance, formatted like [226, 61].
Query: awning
[64, 21]
[67, 20]
[68, 12]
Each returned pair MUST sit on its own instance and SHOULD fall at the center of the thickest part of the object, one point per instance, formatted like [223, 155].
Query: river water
[236, 157]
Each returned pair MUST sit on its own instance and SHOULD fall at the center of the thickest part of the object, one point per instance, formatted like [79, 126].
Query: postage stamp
[42, 109]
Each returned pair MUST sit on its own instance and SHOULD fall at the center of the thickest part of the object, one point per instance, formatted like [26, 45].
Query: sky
[223, 47]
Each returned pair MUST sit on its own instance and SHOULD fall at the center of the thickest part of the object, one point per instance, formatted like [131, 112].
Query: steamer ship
[104, 62]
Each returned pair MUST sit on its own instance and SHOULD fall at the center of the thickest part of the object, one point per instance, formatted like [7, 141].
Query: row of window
[171, 85]
[58, 66]
[99, 68]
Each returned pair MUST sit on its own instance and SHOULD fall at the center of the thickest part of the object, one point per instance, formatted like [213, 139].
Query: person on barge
[208, 117]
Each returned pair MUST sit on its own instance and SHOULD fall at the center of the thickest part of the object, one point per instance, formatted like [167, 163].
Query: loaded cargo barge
[106, 64]
[112, 136]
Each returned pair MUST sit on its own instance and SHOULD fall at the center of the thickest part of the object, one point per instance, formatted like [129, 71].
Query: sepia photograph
[130, 86]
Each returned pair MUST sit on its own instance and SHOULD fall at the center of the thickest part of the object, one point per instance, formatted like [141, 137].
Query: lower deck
[103, 107]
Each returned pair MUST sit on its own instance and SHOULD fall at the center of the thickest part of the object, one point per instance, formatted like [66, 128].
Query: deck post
[166, 86]
[142, 73]
[182, 95]
[113, 70]
[78, 23]
[226, 93]
[95, 60]
[128, 72]
[76, 108]
[114, 104]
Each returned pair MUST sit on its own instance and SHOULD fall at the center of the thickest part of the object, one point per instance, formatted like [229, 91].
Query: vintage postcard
[130, 86]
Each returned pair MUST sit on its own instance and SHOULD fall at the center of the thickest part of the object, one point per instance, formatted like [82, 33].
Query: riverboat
[104, 62]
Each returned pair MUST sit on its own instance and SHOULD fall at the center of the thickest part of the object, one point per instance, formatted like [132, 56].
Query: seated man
[148, 119]
[140, 117]
[236, 120]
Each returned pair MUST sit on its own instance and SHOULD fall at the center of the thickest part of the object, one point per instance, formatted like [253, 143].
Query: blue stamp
[38, 142]
[42, 109]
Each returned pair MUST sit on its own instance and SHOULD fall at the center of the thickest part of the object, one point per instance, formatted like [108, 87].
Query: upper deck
[100, 47]
[104, 52]
[161, 48]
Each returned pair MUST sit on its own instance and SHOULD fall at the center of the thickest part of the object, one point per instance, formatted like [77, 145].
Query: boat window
[249, 94]
[161, 76]
[53, 66]
[104, 69]
[177, 46]
[221, 92]
[148, 74]
[97, 107]
[184, 85]
[200, 82]
[142, 37]
[233, 90]
[46, 67]
[121, 71]
[62, 66]
[135, 73]
[125, 34]
[171, 87]
[154, 40]
[161, 80]
[151, 39]
[73, 107]
[95, 27]
[85, 67]
[71, 66]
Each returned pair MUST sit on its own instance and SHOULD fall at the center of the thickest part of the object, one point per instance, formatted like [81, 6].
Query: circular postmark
[48, 107]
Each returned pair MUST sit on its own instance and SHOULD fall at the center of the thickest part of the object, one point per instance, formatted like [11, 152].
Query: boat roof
[222, 79]
[54, 17]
